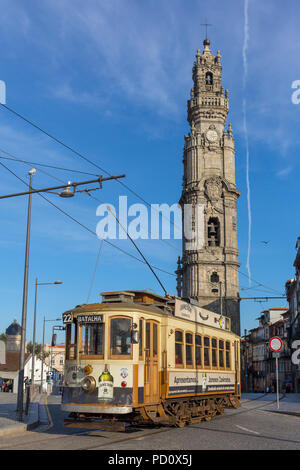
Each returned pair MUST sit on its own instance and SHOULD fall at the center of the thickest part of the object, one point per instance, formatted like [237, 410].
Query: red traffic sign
[275, 344]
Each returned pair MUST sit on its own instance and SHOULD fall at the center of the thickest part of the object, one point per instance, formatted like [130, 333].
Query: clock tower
[208, 269]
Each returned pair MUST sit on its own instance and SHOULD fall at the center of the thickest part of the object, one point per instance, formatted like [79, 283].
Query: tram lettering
[119, 460]
[213, 379]
[183, 380]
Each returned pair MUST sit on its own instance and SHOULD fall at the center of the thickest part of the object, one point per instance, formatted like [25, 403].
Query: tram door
[151, 390]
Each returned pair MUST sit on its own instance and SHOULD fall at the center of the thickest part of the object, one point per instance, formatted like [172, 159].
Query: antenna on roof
[149, 266]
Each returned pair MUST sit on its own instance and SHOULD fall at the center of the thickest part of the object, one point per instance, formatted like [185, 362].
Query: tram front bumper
[96, 409]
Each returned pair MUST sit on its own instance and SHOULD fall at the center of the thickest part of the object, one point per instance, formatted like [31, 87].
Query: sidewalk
[9, 419]
[288, 405]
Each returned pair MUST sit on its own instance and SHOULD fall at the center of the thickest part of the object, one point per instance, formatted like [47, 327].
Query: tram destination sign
[200, 315]
[89, 318]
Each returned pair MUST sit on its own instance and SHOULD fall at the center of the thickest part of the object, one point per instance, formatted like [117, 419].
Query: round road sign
[275, 344]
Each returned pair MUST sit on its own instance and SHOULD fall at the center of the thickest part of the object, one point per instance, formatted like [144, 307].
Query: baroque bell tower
[208, 272]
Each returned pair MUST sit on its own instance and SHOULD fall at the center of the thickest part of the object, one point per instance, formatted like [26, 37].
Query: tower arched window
[209, 79]
[214, 278]
[213, 232]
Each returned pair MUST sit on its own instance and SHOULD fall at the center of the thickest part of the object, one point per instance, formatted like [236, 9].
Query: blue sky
[111, 78]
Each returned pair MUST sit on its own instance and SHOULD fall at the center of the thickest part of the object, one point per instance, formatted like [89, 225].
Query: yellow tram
[138, 357]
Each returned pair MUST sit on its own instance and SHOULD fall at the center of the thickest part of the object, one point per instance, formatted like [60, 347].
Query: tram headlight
[88, 369]
[88, 384]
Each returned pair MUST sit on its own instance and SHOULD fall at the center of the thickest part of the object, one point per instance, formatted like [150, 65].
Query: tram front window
[92, 339]
[120, 337]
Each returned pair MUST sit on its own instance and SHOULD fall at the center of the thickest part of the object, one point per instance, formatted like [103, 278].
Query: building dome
[14, 329]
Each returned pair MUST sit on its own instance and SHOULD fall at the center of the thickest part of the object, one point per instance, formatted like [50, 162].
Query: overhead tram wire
[86, 191]
[97, 199]
[94, 273]
[94, 233]
[68, 147]
[85, 227]
[14, 158]
[71, 149]
[95, 165]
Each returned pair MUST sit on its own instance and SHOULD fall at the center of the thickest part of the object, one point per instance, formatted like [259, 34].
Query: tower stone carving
[209, 272]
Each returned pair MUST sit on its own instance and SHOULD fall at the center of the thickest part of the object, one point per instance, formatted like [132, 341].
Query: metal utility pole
[43, 347]
[24, 306]
[277, 381]
[67, 192]
[34, 323]
[221, 302]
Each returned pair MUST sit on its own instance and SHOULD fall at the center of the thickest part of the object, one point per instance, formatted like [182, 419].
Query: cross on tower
[206, 25]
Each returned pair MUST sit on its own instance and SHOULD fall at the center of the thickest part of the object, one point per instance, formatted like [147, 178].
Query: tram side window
[189, 349]
[71, 341]
[178, 348]
[214, 352]
[154, 340]
[120, 337]
[221, 353]
[141, 328]
[92, 339]
[198, 345]
[206, 351]
[228, 355]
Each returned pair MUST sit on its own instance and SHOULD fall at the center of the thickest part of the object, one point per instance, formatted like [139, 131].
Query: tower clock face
[212, 136]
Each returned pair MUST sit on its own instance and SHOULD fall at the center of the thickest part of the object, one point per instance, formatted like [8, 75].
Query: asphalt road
[251, 427]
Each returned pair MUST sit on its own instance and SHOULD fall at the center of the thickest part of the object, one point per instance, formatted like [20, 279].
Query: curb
[20, 428]
[282, 412]
[13, 429]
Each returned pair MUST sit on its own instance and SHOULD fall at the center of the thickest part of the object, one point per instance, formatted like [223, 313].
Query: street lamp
[34, 321]
[66, 192]
[42, 375]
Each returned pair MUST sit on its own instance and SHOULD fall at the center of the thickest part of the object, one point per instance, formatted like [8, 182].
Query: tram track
[132, 434]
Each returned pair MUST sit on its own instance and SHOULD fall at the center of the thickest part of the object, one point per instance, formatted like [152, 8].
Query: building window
[189, 350]
[214, 278]
[209, 78]
[178, 348]
[213, 232]
[61, 360]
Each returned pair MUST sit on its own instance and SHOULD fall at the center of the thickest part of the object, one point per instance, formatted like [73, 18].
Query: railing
[213, 101]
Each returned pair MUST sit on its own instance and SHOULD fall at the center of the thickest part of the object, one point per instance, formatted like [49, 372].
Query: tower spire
[209, 186]
[206, 26]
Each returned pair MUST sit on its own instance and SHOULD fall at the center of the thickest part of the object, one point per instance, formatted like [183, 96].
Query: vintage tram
[138, 357]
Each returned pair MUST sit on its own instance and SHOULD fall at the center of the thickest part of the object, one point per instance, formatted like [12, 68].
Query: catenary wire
[84, 226]
[95, 165]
